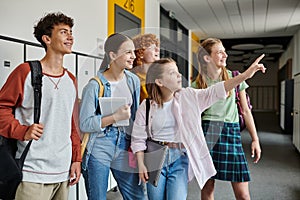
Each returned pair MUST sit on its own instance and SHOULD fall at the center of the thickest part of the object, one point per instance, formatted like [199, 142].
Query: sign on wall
[134, 7]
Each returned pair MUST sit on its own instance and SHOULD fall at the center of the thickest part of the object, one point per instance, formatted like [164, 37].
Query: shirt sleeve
[139, 134]
[89, 121]
[75, 131]
[11, 97]
[208, 96]
[194, 85]
[243, 86]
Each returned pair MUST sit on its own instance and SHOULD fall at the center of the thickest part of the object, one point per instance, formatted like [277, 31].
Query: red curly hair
[141, 42]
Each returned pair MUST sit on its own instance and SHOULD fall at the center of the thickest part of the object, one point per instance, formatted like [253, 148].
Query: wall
[296, 57]
[152, 17]
[287, 54]
[17, 19]
[293, 51]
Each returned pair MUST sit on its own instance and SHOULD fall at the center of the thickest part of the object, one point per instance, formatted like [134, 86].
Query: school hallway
[275, 177]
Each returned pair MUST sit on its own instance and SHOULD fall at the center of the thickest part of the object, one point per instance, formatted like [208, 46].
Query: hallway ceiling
[249, 26]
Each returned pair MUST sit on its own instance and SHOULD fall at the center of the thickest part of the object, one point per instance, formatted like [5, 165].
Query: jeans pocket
[101, 135]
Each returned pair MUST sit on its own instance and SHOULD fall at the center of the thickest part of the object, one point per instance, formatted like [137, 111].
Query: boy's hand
[75, 173]
[34, 132]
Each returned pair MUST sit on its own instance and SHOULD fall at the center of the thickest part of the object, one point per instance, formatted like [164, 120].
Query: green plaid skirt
[224, 142]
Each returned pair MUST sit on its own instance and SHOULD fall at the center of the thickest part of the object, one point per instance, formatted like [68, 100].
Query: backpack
[86, 136]
[11, 168]
[238, 102]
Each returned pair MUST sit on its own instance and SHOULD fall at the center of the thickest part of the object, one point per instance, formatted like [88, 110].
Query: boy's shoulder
[71, 75]
[21, 70]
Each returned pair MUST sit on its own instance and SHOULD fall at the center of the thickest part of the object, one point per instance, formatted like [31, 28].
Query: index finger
[259, 58]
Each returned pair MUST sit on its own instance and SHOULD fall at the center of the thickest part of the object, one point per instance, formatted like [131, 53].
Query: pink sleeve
[210, 95]
[139, 134]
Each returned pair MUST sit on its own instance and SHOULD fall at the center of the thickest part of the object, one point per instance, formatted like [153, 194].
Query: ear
[206, 58]
[46, 39]
[159, 82]
[112, 55]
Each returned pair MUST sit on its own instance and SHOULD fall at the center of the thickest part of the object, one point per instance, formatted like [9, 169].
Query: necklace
[55, 84]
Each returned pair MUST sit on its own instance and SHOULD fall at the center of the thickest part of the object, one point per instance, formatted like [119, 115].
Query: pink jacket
[188, 104]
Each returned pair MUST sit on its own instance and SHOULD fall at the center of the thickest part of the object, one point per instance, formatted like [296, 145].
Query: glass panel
[165, 26]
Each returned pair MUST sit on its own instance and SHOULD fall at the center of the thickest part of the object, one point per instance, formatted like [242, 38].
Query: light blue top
[89, 116]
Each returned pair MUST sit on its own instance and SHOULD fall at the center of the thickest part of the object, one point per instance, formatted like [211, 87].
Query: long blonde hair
[205, 49]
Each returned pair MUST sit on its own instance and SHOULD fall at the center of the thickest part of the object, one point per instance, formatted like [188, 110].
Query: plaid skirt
[224, 142]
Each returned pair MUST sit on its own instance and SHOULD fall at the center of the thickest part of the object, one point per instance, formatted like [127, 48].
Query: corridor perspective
[275, 177]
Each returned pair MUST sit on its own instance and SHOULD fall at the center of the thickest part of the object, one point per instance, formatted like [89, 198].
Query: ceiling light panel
[247, 46]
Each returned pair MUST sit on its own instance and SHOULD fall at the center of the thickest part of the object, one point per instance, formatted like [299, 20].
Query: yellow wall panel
[135, 7]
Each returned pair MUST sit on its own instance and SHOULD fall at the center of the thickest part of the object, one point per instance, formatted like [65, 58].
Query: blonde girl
[220, 121]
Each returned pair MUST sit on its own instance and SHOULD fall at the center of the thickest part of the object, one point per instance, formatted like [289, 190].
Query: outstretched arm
[255, 66]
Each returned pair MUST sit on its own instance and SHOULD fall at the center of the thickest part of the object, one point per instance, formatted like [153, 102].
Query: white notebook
[109, 105]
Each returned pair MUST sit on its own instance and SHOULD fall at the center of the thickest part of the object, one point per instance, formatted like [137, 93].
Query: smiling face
[125, 55]
[61, 39]
[171, 78]
[218, 55]
[151, 54]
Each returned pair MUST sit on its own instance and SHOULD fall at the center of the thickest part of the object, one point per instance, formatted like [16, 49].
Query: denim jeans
[173, 181]
[110, 153]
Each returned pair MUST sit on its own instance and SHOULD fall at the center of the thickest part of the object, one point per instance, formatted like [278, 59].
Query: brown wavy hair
[141, 42]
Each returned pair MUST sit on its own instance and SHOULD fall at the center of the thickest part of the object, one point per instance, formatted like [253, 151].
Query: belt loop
[121, 129]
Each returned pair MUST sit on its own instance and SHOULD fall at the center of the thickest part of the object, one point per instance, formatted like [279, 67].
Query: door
[296, 113]
[126, 23]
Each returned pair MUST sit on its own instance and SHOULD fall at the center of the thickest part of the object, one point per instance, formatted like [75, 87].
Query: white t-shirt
[121, 89]
[163, 124]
